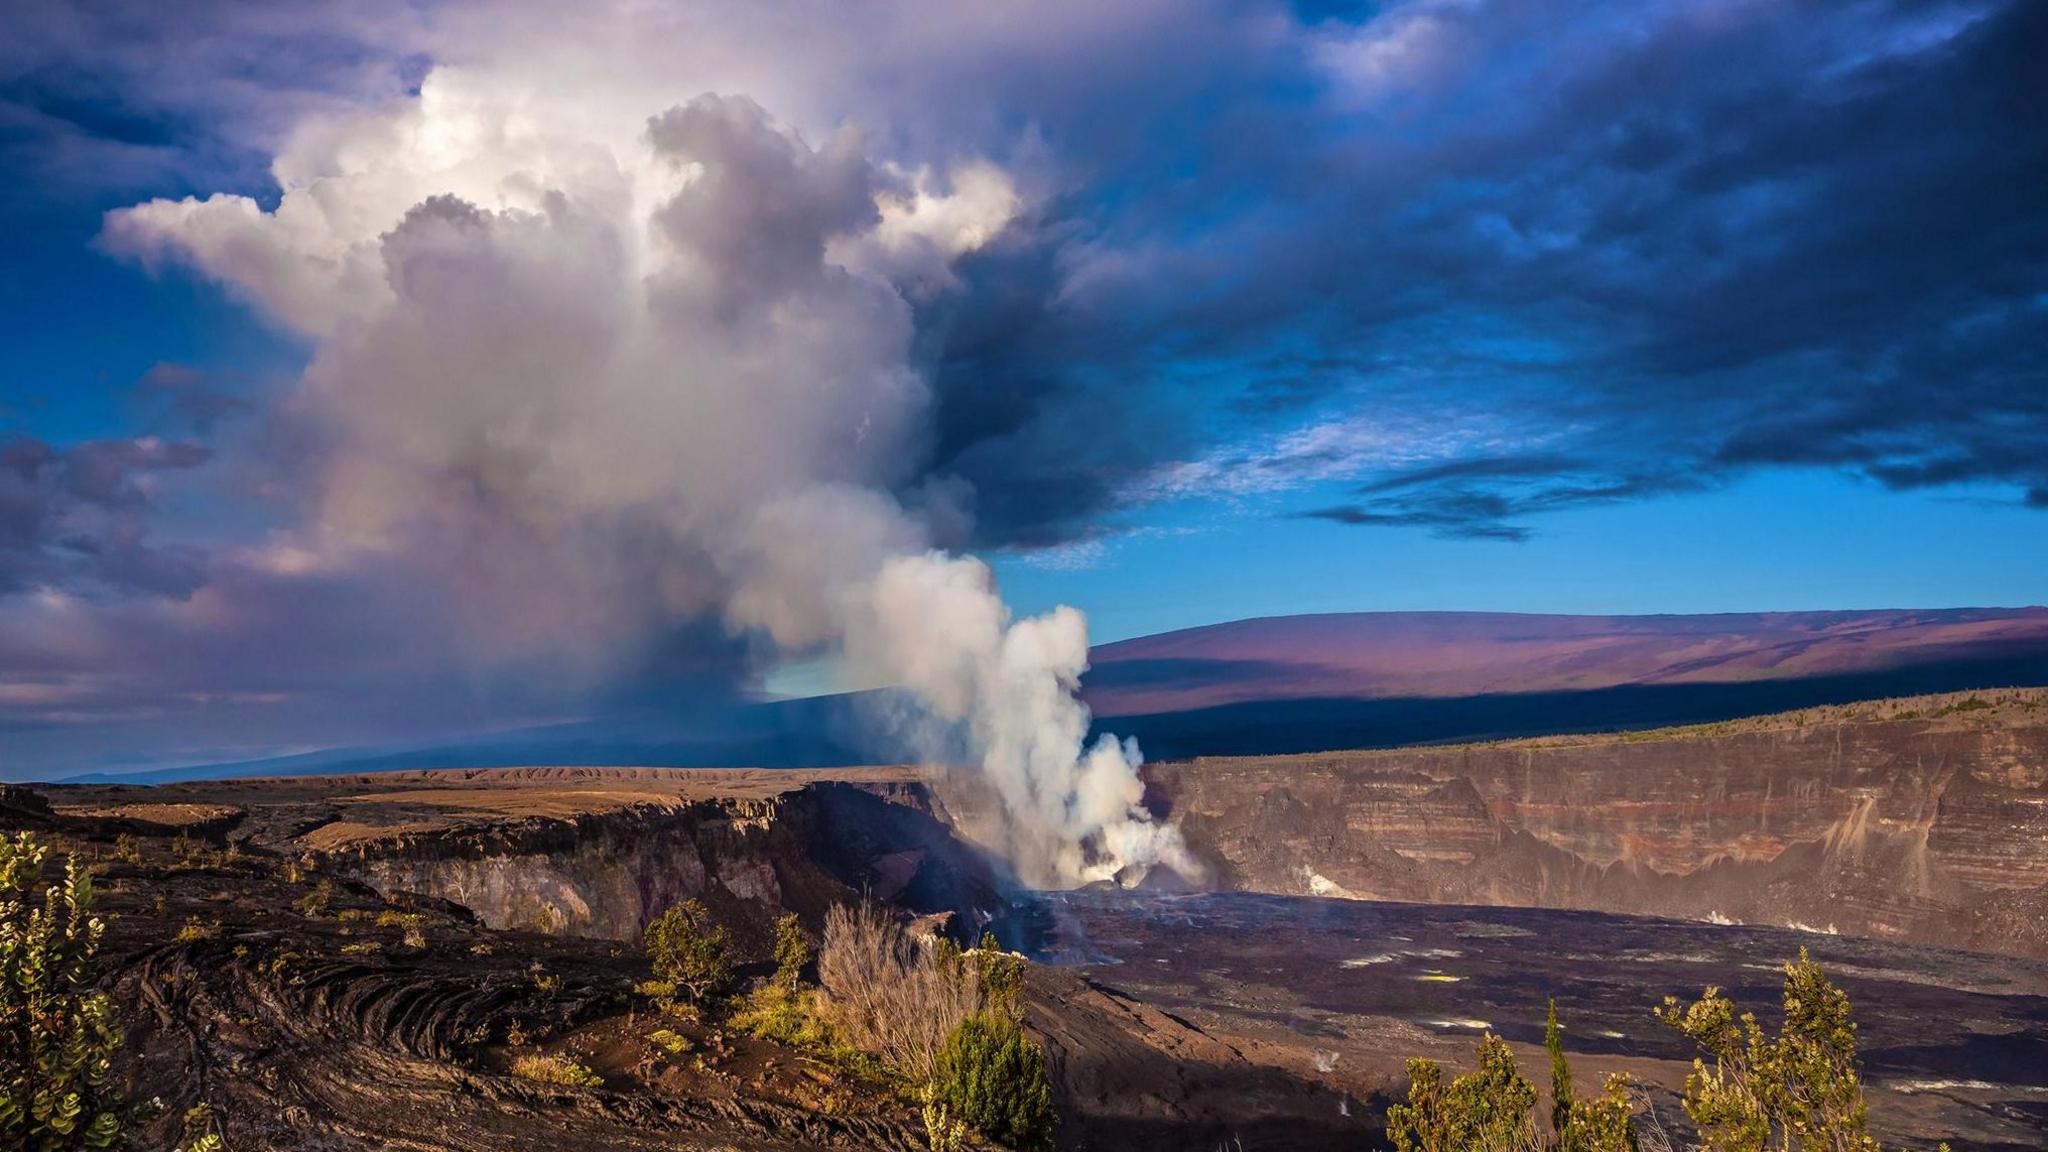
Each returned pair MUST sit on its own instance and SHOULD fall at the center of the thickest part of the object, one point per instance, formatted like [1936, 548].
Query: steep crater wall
[1904, 829]
[607, 874]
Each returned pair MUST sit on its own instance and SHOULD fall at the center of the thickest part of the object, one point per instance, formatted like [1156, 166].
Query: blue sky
[396, 370]
[1787, 541]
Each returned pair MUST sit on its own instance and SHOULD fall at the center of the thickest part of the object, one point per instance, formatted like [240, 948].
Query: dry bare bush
[889, 995]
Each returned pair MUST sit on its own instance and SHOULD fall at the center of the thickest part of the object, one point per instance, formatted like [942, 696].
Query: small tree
[1800, 1091]
[1603, 1123]
[57, 1036]
[1423, 1123]
[1560, 1072]
[991, 1076]
[792, 951]
[1491, 1109]
[1002, 976]
[690, 950]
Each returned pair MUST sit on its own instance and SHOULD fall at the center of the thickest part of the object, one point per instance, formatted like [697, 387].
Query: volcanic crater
[351, 961]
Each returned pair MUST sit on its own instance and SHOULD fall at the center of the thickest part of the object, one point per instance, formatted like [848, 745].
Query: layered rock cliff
[1923, 820]
[352, 962]
[606, 874]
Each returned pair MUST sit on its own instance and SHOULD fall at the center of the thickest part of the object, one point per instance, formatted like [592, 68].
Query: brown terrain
[1443, 655]
[349, 961]
[1921, 820]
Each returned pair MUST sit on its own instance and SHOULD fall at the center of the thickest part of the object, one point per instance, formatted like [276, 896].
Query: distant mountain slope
[1455, 655]
[1295, 684]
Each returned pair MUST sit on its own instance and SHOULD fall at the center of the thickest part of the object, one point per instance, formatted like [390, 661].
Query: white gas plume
[587, 381]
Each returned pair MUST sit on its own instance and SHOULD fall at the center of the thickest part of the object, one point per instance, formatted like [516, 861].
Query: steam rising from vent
[585, 389]
[935, 624]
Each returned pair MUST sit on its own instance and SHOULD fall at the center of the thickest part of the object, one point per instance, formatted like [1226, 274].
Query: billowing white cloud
[583, 376]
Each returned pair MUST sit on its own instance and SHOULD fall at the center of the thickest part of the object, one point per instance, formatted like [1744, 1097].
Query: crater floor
[1955, 1044]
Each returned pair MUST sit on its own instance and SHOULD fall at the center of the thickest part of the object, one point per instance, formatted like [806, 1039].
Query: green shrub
[58, 1032]
[1800, 1090]
[774, 1011]
[688, 949]
[201, 1133]
[316, 902]
[1491, 1108]
[991, 1076]
[1486, 1110]
[1797, 1092]
[669, 1042]
[1001, 975]
[1560, 1072]
[554, 1070]
[792, 951]
[193, 930]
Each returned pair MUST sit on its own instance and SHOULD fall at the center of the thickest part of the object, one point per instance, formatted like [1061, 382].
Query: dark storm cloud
[112, 95]
[1042, 413]
[1833, 254]
[1481, 498]
[76, 519]
[1474, 468]
[1457, 515]
[1741, 236]
[1726, 239]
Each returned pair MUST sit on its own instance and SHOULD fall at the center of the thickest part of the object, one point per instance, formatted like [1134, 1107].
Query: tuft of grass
[194, 930]
[316, 902]
[669, 1042]
[554, 1070]
[776, 1011]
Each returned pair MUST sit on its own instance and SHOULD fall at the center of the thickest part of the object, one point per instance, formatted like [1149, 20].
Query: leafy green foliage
[690, 950]
[57, 1035]
[1486, 1110]
[1800, 1091]
[201, 1133]
[1603, 1123]
[792, 951]
[944, 1131]
[991, 1076]
[669, 1042]
[1491, 1109]
[1560, 1072]
[316, 902]
[785, 1013]
[1001, 975]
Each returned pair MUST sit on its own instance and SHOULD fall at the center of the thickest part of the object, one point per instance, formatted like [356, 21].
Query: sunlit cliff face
[584, 372]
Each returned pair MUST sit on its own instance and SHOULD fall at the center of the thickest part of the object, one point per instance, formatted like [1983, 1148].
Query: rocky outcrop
[341, 1026]
[606, 874]
[1926, 829]
[356, 966]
